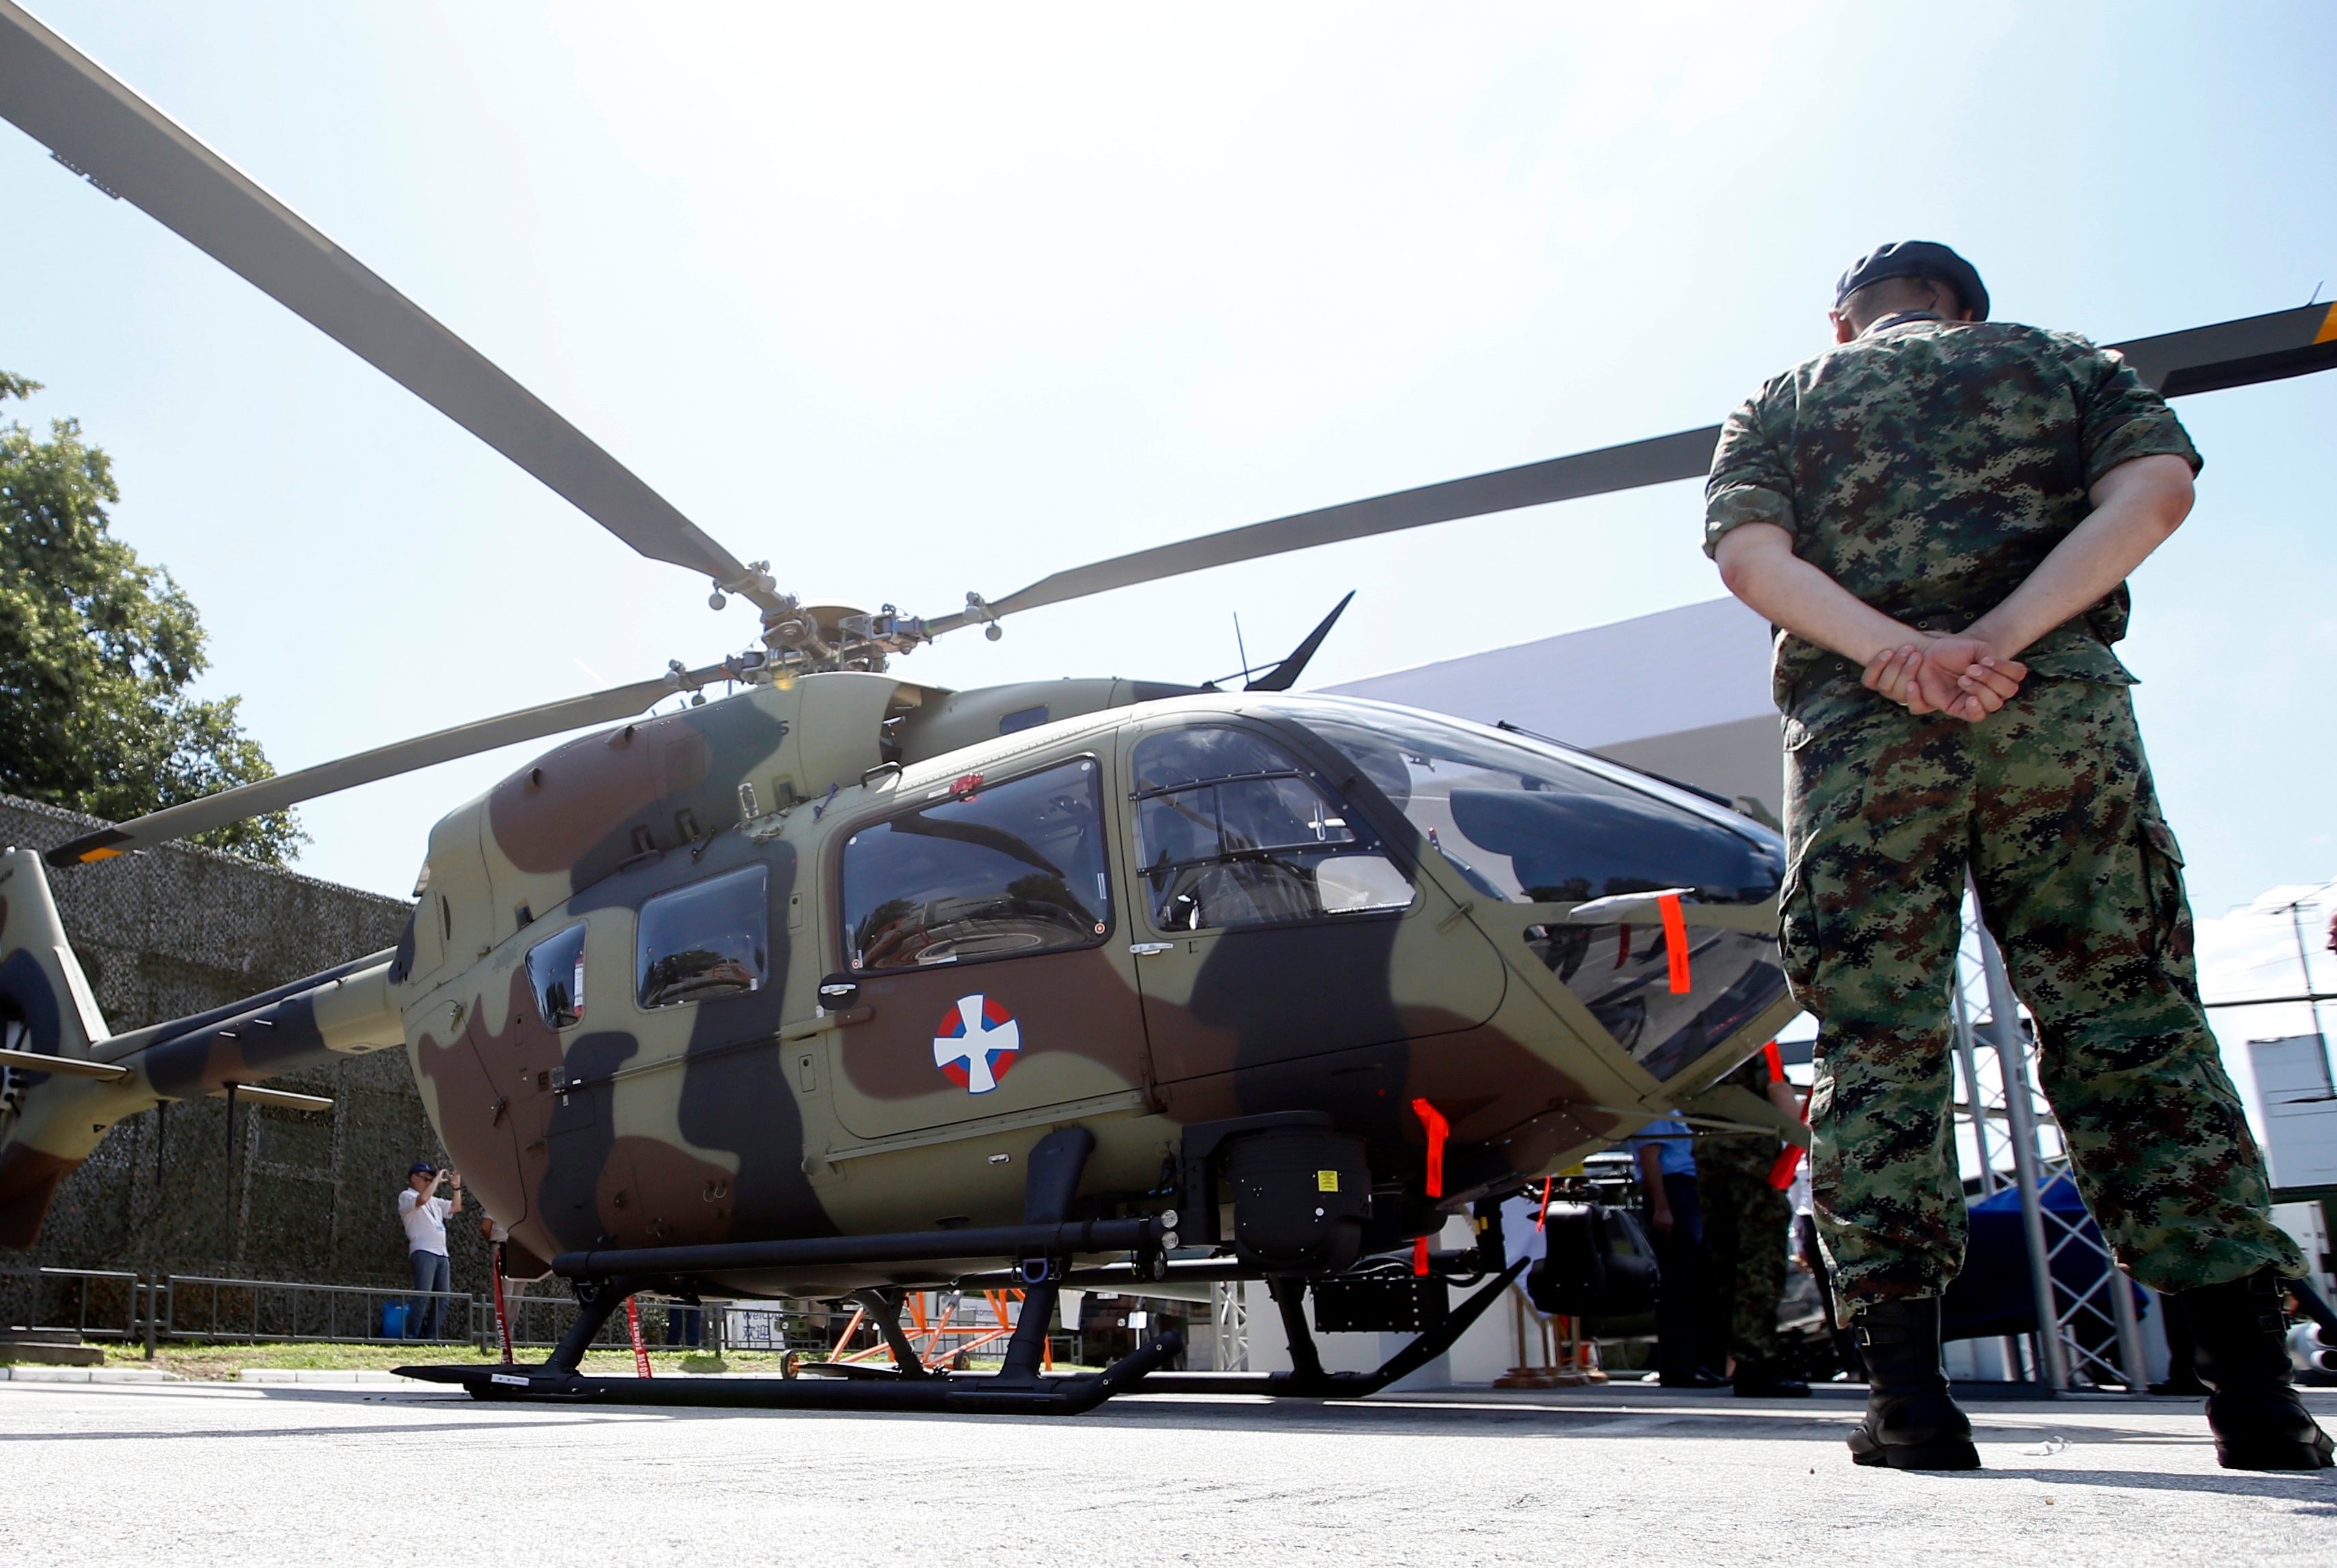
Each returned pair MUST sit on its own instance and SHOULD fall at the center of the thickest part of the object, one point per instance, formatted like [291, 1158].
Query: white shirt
[425, 1221]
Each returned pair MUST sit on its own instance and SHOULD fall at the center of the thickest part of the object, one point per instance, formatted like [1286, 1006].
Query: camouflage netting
[307, 1196]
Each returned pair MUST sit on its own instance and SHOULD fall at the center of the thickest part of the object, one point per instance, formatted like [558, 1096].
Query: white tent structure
[1682, 692]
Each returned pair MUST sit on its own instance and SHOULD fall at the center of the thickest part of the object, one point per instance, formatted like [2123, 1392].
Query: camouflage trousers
[1745, 1221]
[2049, 804]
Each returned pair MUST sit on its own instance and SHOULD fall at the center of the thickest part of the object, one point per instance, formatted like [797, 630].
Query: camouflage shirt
[1929, 466]
[1750, 1151]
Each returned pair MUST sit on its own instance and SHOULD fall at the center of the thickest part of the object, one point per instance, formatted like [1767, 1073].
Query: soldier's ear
[1842, 330]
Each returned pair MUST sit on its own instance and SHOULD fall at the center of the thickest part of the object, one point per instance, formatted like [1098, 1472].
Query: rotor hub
[809, 638]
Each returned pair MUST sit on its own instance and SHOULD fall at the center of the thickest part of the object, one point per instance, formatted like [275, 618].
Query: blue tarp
[1991, 1296]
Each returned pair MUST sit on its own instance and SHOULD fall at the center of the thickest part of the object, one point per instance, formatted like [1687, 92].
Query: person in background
[425, 1215]
[1674, 1220]
[1811, 1258]
[1745, 1223]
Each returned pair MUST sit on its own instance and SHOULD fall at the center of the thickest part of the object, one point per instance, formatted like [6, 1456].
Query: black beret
[1917, 259]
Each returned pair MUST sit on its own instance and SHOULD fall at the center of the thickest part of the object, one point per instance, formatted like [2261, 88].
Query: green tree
[96, 651]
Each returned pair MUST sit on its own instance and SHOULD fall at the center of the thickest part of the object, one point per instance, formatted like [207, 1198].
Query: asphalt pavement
[296, 1475]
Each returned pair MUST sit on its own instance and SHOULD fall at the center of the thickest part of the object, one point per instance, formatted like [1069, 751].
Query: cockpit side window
[984, 871]
[704, 941]
[555, 970]
[1232, 831]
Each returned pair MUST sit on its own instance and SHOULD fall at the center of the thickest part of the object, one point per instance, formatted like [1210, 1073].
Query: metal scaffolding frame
[2018, 1144]
[1229, 1327]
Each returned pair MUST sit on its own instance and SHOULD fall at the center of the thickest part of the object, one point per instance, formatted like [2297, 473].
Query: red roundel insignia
[976, 1042]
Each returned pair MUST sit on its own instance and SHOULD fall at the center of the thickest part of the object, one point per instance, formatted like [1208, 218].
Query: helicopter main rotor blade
[367, 767]
[2201, 360]
[100, 130]
[2239, 353]
[1626, 467]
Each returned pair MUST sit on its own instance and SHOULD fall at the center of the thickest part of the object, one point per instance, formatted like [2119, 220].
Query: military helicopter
[845, 984]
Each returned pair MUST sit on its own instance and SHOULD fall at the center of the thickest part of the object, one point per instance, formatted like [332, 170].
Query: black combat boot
[1910, 1423]
[2240, 1349]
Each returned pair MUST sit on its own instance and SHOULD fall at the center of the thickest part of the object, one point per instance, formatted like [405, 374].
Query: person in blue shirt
[1675, 1223]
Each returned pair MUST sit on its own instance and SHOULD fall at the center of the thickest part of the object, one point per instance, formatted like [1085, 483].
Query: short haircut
[1885, 296]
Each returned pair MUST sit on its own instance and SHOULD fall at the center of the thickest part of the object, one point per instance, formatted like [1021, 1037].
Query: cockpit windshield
[1523, 821]
[1528, 823]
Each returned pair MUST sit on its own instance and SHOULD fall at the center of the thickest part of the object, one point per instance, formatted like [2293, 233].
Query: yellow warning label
[1326, 1180]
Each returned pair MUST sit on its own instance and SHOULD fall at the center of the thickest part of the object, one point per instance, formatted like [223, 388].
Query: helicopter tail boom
[46, 1010]
[66, 1079]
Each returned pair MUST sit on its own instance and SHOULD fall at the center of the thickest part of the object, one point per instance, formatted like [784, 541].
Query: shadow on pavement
[2271, 1483]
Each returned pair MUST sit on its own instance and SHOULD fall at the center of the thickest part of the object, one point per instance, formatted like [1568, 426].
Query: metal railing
[249, 1311]
[537, 1322]
[100, 1304]
[103, 1303]
[119, 1305]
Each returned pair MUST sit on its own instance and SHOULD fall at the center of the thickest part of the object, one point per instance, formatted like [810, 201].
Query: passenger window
[709, 939]
[988, 871]
[555, 968]
[1233, 832]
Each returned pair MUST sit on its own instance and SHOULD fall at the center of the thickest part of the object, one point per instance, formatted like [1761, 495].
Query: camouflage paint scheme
[759, 1116]
[55, 1119]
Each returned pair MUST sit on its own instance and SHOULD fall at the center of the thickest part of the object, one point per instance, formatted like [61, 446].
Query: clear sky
[912, 301]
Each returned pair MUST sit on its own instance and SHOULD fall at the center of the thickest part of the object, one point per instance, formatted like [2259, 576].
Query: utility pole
[2304, 962]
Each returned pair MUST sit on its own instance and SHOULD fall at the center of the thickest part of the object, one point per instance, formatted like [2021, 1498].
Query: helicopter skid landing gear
[934, 1392]
[1017, 1388]
[1307, 1379]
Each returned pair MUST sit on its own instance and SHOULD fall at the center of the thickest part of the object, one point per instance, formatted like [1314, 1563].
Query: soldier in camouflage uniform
[1745, 1220]
[1938, 514]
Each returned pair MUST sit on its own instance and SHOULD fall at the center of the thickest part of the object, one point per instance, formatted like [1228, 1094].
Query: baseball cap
[421, 1168]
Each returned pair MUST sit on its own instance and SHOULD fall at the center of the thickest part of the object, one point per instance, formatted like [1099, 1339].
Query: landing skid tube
[955, 1393]
[1307, 1379]
[1016, 1389]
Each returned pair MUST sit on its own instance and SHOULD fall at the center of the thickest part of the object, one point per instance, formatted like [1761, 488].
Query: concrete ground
[302, 1474]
